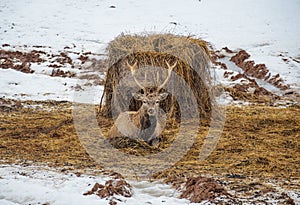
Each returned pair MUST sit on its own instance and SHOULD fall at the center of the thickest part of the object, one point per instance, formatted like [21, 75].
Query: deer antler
[170, 69]
[132, 69]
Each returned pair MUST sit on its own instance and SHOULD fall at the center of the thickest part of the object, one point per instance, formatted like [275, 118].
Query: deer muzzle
[151, 111]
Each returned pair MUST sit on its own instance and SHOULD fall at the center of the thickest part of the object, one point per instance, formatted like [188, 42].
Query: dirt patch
[117, 186]
[20, 61]
[84, 65]
[245, 86]
[251, 91]
[232, 189]
[110, 188]
[62, 73]
[198, 189]
[258, 71]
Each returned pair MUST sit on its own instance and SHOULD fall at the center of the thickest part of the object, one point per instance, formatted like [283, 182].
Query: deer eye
[157, 101]
[144, 101]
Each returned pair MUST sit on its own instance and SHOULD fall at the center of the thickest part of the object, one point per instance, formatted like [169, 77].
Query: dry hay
[40, 132]
[152, 51]
[256, 141]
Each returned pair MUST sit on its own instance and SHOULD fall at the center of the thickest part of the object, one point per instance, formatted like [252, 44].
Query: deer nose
[151, 111]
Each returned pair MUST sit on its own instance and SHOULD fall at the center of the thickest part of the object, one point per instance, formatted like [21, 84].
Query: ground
[258, 149]
[53, 59]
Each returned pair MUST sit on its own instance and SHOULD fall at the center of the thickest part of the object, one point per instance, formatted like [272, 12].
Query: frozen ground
[20, 185]
[41, 185]
[269, 31]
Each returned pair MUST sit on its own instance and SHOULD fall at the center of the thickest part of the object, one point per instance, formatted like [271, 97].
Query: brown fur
[139, 124]
[143, 123]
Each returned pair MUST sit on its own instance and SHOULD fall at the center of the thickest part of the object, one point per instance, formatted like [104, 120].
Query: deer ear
[163, 96]
[137, 96]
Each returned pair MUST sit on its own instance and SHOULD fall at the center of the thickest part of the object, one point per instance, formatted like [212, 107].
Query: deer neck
[147, 121]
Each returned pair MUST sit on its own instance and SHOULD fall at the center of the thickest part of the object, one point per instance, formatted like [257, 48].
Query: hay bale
[151, 52]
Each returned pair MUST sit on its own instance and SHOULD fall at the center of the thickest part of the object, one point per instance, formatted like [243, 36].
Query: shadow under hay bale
[190, 84]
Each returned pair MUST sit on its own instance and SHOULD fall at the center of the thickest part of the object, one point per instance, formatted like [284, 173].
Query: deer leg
[154, 140]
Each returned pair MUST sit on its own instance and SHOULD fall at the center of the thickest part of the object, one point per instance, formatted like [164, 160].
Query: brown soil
[19, 60]
[62, 73]
[258, 95]
[258, 71]
[117, 186]
[198, 189]
[248, 89]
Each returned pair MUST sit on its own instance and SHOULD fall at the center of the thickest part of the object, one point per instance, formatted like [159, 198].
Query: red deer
[144, 123]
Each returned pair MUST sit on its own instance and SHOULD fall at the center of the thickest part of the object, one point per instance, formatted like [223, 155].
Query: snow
[41, 87]
[247, 23]
[21, 185]
[268, 30]
[42, 185]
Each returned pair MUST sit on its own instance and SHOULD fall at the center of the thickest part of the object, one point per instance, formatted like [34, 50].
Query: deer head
[150, 101]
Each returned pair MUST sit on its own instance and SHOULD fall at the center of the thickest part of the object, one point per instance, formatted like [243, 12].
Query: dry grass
[257, 141]
[153, 51]
[41, 136]
[181, 46]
